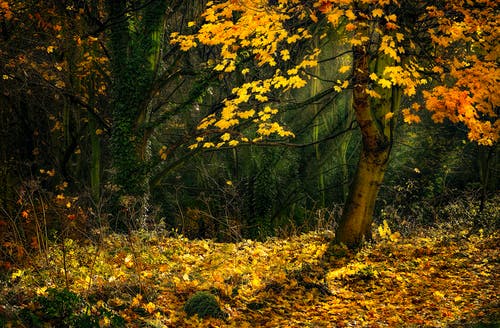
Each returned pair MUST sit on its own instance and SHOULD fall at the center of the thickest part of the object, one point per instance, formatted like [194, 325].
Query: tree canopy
[451, 46]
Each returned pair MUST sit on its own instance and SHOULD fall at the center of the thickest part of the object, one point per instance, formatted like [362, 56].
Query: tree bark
[377, 133]
[134, 62]
[355, 224]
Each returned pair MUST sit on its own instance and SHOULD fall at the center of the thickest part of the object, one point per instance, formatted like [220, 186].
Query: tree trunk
[377, 133]
[355, 225]
[135, 48]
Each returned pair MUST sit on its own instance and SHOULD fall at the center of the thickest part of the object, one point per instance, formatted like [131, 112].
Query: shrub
[63, 308]
[204, 304]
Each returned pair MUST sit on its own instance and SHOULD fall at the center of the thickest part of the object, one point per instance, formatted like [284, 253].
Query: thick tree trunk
[135, 58]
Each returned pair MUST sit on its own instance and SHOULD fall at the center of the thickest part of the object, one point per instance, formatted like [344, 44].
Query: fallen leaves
[432, 280]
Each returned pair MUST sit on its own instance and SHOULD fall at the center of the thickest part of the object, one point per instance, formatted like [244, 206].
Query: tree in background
[396, 48]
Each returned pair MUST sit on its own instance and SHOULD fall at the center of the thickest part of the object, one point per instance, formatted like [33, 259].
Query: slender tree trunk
[355, 225]
[376, 120]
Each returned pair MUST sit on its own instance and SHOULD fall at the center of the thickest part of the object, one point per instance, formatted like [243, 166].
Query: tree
[146, 94]
[79, 77]
[54, 81]
[450, 48]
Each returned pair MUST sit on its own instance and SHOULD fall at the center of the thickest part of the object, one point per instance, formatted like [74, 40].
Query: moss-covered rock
[204, 304]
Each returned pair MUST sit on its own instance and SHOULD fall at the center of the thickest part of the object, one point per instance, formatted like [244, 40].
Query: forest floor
[436, 278]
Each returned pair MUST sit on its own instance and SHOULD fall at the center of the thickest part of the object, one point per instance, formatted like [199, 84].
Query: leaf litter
[432, 279]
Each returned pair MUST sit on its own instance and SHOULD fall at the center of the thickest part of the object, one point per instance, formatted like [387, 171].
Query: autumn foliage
[450, 46]
[134, 192]
[431, 279]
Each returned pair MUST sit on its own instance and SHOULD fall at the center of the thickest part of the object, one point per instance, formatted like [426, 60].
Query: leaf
[377, 12]
[388, 116]
[344, 69]
[385, 83]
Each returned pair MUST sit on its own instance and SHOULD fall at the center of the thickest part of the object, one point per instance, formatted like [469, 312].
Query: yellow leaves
[359, 40]
[296, 82]
[149, 307]
[261, 98]
[373, 93]
[384, 83]
[163, 152]
[350, 14]
[313, 17]
[246, 114]
[391, 18]
[136, 301]
[41, 291]
[438, 295]
[256, 282]
[344, 69]
[409, 117]
[384, 231]
[341, 85]
[351, 271]
[262, 32]
[334, 16]
[377, 12]
[285, 54]
[292, 39]
[388, 47]
[129, 261]
[266, 129]
[60, 84]
[185, 42]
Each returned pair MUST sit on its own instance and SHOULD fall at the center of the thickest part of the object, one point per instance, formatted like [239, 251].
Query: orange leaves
[334, 16]
[472, 96]
[5, 10]
[471, 100]
[458, 106]
[378, 12]
[263, 32]
[409, 116]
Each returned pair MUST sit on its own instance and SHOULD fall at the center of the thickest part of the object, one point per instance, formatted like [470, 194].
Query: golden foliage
[438, 278]
[466, 81]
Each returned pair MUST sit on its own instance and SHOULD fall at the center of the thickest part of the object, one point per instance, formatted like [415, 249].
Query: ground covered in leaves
[432, 279]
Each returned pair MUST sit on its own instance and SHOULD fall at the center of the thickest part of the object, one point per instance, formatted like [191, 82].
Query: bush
[204, 305]
[63, 308]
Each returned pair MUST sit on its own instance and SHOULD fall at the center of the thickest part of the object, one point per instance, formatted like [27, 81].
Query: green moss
[204, 304]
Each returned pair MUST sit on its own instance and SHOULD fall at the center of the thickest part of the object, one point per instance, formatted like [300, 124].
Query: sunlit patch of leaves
[436, 278]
